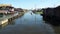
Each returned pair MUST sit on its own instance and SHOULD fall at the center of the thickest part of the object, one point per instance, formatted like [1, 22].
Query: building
[18, 9]
[7, 8]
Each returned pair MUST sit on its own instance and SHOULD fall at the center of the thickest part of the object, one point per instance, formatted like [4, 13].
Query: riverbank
[10, 17]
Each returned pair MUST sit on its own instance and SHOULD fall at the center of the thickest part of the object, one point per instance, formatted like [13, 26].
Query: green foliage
[39, 12]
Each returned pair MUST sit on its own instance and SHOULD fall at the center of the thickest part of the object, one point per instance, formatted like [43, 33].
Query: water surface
[29, 23]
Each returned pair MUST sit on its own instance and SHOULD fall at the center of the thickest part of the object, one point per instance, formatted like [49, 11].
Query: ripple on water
[28, 24]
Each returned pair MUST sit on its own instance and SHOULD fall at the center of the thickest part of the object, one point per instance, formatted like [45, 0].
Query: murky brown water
[29, 23]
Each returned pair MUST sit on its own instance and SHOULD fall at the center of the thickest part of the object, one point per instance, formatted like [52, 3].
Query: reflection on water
[29, 23]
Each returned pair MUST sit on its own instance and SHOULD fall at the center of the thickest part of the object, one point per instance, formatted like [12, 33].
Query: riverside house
[6, 9]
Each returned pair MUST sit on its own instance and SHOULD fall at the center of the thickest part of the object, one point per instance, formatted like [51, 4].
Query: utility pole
[35, 14]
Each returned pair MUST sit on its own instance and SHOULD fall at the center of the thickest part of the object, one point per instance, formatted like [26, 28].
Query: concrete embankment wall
[10, 18]
[3, 21]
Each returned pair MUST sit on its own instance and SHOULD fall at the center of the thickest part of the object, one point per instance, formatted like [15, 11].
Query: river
[29, 23]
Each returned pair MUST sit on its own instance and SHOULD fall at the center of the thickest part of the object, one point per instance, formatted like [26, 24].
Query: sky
[31, 4]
